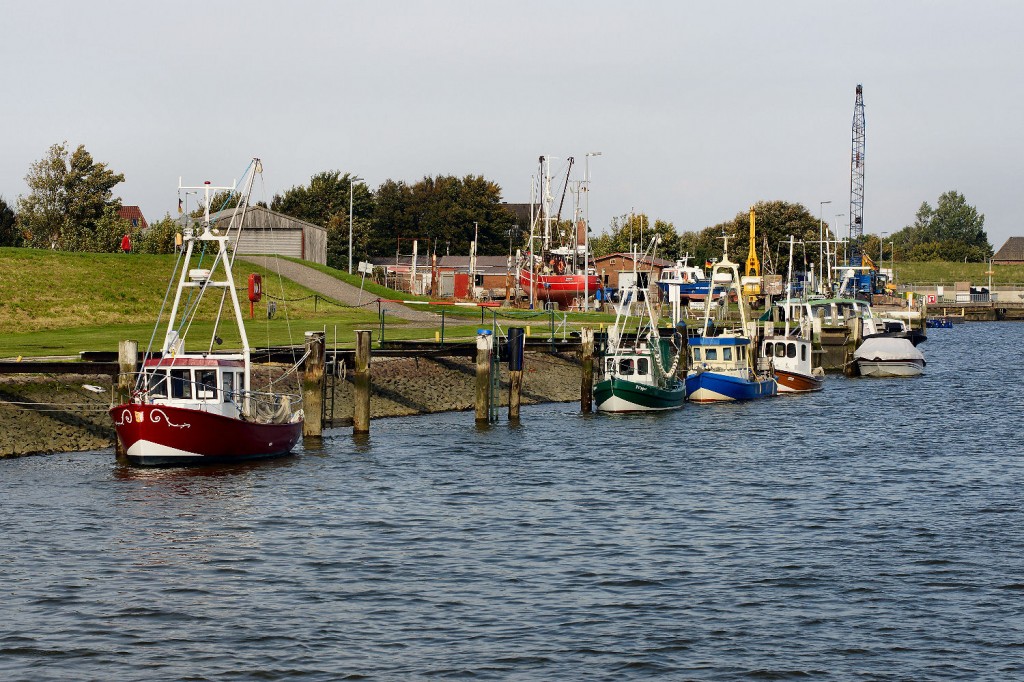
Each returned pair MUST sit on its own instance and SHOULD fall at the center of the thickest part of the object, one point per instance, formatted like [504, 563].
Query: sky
[699, 109]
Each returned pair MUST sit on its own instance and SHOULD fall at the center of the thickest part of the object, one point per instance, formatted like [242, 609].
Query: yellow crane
[752, 281]
[753, 265]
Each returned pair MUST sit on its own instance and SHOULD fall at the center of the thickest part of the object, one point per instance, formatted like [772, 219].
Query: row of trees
[71, 206]
[445, 213]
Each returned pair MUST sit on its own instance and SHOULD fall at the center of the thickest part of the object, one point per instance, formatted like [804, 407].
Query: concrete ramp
[335, 289]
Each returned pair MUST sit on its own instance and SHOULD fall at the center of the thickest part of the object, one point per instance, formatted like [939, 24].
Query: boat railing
[260, 406]
[267, 408]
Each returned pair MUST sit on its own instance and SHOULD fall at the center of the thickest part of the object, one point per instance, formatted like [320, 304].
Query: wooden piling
[483, 377]
[855, 327]
[313, 386]
[587, 363]
[361, 383]
[127, 363]
[516, 342]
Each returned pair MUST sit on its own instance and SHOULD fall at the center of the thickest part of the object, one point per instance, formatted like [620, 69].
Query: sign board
[365, 267]
[931, 299]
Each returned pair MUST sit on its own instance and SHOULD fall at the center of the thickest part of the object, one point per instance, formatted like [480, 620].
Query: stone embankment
[58, 414]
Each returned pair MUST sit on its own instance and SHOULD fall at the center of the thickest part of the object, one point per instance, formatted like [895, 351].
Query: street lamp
[881, 244]
[351, 191]
[586, 235]
[821, 239]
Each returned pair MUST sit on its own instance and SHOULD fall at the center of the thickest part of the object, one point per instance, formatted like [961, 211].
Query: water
[872, 531]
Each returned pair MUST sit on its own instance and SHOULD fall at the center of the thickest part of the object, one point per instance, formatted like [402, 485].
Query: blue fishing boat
[689, 280]
[723, 363]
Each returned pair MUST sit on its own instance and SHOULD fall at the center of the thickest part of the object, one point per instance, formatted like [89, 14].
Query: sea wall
[46, 414]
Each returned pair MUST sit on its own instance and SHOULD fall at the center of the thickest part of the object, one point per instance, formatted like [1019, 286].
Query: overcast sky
[699, 109]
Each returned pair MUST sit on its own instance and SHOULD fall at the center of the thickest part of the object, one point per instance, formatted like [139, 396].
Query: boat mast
[789, 285]
[547, 199]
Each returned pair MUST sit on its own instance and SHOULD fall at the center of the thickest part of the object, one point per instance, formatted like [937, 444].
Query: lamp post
[821, 239]
[586, 234]
[351, 192]
[881, 244]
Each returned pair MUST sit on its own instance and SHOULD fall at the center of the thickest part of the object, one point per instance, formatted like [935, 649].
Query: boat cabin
[725, 354]
[787, 348]
[202, 383]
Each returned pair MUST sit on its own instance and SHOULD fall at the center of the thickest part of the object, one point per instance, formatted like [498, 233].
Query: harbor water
[872, 531]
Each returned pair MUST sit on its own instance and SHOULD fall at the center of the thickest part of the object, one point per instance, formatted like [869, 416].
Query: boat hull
[795, 382]
[160, 435]
[621, 395]
[890, 368]
[560, 289]
[712, 387]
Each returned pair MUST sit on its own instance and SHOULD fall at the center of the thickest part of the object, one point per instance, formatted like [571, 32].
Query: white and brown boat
[197, 407]
[790, 360]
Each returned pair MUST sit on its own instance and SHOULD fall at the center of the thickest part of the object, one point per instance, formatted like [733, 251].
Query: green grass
[948, 273]
[59, 303]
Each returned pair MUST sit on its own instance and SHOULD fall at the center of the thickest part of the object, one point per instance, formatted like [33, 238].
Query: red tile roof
[133, 214]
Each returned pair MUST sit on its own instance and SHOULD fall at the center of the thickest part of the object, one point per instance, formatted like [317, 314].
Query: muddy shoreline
[41, 414]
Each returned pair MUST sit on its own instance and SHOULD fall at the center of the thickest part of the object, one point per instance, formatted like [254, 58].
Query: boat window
[610, 365]
[227, 384]
[626, 367]
[711, 354]
[181, 384]
[803, 352]
[158, 384]
[206, 384]
[643, 366]
[780, 350]
[727, 353]
[743, 352]
[696, 354]
[791, 351]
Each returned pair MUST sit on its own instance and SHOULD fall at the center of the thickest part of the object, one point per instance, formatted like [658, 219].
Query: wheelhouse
[210, 384]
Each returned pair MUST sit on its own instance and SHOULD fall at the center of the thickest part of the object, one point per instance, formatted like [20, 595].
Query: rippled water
[872, 531]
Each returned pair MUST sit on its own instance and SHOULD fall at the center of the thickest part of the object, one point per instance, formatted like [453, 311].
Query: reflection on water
[867, 531]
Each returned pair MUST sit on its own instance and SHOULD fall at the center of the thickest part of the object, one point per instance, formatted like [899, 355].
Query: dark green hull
[622, 395]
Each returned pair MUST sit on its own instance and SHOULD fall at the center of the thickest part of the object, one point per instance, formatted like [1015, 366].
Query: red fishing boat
[199, 406]
[557, 268]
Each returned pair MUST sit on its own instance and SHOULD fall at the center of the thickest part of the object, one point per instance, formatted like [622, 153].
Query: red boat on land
[562, 274]
[565, 290]
[198, 407]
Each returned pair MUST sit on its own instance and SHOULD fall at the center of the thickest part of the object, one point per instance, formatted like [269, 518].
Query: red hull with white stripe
[156, 434]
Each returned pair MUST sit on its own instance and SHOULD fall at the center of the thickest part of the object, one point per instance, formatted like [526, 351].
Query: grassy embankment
[57, 303]
[947, 274]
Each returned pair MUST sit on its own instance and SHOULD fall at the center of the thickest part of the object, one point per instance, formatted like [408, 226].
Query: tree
[446, 211]
[69, 194]
[325, 202]
[775, 221]
[952, 231]
[635, 231]
[158, 237]
[10, 235]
